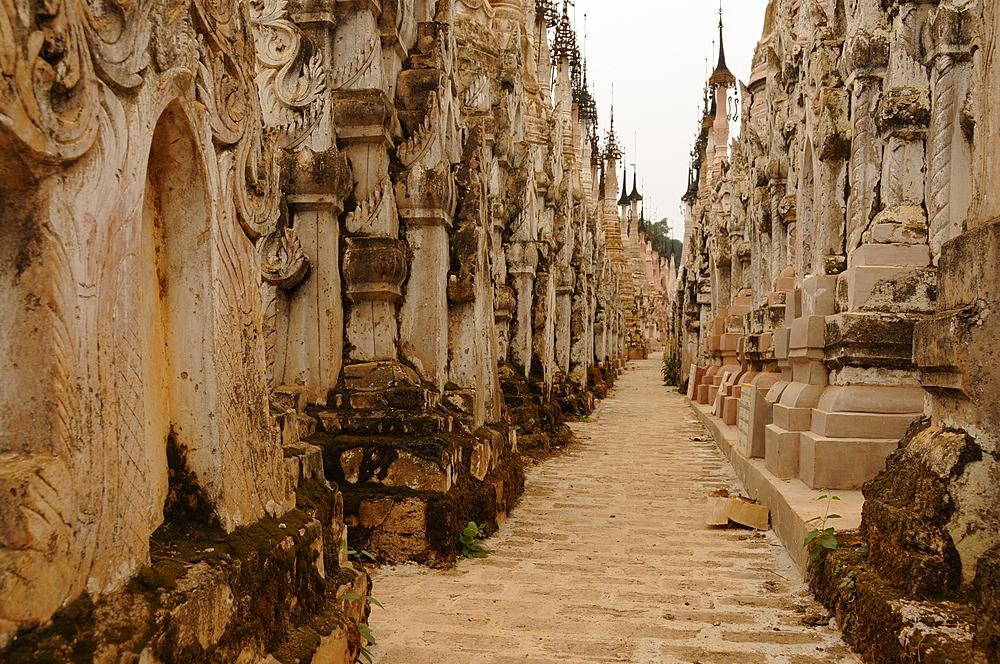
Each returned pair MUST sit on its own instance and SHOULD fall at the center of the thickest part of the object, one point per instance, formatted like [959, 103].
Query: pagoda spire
[624, 199]
[721, 75]
[612, 150]
[635, 195]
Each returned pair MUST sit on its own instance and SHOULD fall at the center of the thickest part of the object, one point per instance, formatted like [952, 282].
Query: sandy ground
[607, 559]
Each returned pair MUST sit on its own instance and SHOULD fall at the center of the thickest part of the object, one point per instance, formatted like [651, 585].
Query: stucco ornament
[283, 263]
[290, 76]
[48, 95]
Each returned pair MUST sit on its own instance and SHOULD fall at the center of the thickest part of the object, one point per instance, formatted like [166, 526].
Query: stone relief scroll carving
[235, 114]
[222, 95]
[174, 42]
[256, 177]
[118, 36]
[290, 76]
[283, 262]
[48, 99]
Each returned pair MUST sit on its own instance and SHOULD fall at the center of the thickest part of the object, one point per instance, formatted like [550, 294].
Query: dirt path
[607, 559]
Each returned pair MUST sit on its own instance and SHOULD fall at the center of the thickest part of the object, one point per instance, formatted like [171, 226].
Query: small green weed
[821, 540]
[670, 371]
[363, 628]
[517, 427]
[366, 634]
[357, 555]
[847, 584]
[471, 540]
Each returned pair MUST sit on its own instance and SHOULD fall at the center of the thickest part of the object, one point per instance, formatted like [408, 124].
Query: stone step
[397, 423]
[403, 398]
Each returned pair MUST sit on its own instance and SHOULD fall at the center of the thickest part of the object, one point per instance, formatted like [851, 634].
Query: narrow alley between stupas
[607, 559]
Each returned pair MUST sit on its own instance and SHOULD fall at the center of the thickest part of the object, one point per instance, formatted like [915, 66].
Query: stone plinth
[374, 271]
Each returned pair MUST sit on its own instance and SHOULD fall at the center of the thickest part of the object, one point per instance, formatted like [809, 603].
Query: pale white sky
[654, 51]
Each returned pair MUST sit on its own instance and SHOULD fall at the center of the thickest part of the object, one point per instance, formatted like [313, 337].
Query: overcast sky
[654, 51]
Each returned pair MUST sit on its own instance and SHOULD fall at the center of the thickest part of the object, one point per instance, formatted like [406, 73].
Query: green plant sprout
[363, 628]
[358, 555]
[848, 585]
[472, 542]
[821, 540]
[670, 370]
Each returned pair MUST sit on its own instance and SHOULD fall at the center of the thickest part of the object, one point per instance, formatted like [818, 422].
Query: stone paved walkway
[607, 559]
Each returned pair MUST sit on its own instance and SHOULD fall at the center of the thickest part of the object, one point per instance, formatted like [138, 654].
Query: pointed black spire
[635, 195]
[624, 199]
[721, 75]
[722, 49]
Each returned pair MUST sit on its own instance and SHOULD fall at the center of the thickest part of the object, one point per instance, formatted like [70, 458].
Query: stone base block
[310, 461]
[899, 255]
[424, 526]
[696, 375]
[860, 282]
[730, 410]
[841, 463]
[819, 295]
[407, 497]
[729, 342]
[811, 372]
[791, 418]
[781, 340]
[807, 332]
[759, 414]
[255, 595]
[781, 451]
[860, 425]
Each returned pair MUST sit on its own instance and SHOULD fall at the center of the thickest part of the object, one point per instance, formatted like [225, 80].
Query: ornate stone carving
[290, 76]
[477, 95]
[422, 137]
[283, 263]
[345, 75]
[48, 95]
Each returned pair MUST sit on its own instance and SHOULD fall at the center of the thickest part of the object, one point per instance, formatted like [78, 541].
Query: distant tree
[659, 235]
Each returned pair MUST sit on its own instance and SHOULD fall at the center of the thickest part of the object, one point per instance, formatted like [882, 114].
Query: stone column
[522, 259]
[424, 314]
[949, 149]
[544, 327]
[564, 312]
[473, 346]
[375, 269]
[504, 304]
[865, 168]
[309, 349]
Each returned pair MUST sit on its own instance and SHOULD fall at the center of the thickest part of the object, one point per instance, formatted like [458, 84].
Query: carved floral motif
[282, 260]
[290, 77]
[48, 96]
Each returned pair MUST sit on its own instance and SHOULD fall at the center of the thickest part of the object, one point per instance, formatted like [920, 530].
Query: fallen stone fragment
[749, 514]
[721, 509]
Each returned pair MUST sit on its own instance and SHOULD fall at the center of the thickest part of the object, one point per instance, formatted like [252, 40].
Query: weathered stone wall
[259, 246]
[840, 279]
